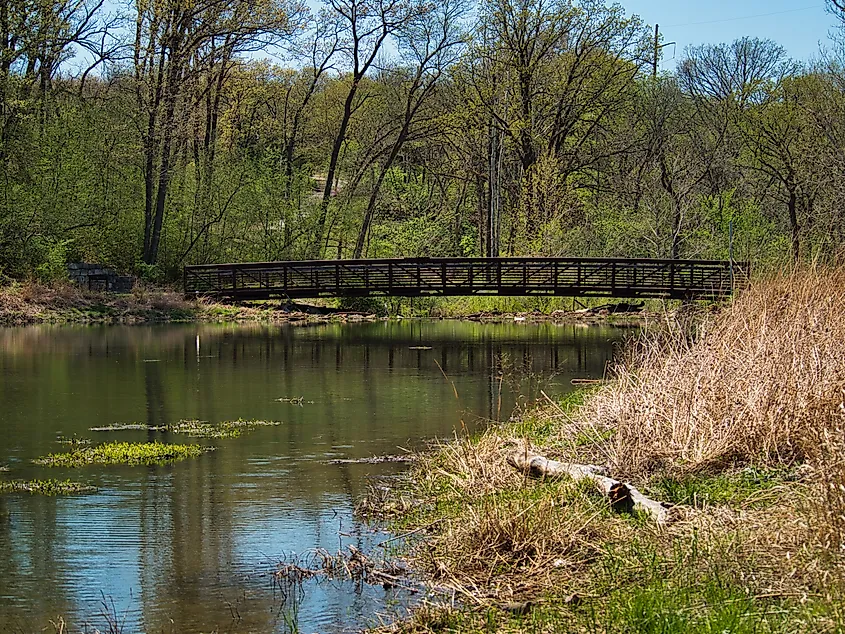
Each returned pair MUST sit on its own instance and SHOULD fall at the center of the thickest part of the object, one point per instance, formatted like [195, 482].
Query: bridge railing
[613, 277]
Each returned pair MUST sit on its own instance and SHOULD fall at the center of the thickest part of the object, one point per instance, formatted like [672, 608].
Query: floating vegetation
[195, 428]
[128, 427]
[226, 429]
[62, 440]
[45, 487]
[375, 459]
[125, 453]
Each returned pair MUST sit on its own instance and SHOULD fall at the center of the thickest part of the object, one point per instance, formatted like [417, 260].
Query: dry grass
[757, 384]
[32, 302]
[743, 421]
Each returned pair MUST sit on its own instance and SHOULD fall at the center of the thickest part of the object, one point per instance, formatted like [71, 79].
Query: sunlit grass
[736, 423]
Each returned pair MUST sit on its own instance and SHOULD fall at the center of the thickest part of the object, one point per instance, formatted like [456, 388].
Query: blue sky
[801, 26]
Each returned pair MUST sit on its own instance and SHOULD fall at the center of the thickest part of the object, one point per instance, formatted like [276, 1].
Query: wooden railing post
[672, 277]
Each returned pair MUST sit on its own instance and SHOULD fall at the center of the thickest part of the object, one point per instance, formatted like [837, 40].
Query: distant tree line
[158, 134]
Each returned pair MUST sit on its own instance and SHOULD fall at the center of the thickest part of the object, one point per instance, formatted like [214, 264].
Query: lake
[191, 547]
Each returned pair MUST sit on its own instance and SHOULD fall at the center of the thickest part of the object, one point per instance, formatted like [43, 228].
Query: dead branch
[622, 496]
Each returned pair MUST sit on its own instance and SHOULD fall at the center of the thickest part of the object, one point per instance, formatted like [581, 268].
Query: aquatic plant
[225, 429]
[195, 428]
[62, 440]
[45, 487]
[125, 453]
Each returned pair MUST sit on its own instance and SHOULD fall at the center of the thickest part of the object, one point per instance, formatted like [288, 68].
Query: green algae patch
[124, 453]
[45, 487]
[196, 428]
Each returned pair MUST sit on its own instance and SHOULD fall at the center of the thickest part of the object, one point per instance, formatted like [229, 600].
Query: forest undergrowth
[733, 420]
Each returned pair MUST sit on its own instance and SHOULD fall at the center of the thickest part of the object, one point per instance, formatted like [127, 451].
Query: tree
[366, 26]
[174, 42]
[429, 44]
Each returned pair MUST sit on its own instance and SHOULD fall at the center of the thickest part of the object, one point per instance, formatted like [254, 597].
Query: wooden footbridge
[414, 277]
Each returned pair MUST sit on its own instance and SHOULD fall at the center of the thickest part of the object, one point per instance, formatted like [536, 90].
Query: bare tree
[429, 43]
[366, 27]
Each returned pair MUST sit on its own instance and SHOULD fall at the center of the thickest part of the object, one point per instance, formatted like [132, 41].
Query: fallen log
[622, 496]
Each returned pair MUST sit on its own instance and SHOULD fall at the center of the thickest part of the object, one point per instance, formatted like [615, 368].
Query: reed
[755, 385]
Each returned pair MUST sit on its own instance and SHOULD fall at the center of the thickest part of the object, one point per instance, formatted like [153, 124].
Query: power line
[747, 17]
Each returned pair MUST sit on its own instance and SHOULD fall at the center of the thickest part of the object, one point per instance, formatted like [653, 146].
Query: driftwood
[622, 496]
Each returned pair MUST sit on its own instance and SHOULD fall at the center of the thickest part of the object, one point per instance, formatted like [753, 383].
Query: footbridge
[415, 277]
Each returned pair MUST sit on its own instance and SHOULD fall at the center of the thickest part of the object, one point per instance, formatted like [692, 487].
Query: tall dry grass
[763, 382]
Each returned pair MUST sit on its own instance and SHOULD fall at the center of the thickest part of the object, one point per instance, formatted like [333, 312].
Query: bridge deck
[571, 277]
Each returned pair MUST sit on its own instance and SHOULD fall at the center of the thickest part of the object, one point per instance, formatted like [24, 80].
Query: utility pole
[657, 47]
[656, 50]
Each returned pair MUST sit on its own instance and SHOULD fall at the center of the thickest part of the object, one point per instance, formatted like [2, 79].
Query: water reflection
[189, 547]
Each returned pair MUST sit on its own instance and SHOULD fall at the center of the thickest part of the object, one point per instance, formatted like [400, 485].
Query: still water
[191, 547]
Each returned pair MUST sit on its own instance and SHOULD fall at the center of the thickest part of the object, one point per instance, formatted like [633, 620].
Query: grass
[748, 485]
[124, 453]
[736, 419]
[45, 487]
[196, 428]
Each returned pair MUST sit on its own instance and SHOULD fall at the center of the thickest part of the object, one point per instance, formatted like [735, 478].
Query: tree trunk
[151, 255]
[371, 205]
[327, 190]
[792, 205]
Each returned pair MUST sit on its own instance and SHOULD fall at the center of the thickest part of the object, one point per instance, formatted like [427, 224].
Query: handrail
[612, 277]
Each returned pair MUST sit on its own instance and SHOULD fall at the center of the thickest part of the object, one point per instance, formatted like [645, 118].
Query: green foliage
[149, 272]
[53, 264]
[619, 164]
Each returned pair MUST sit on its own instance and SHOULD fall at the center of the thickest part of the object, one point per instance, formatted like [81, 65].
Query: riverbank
[736, 427]
[33, 303]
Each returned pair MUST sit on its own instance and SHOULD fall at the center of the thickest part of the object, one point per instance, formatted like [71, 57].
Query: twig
[552, 403]
[409, 533]
[448, 379]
